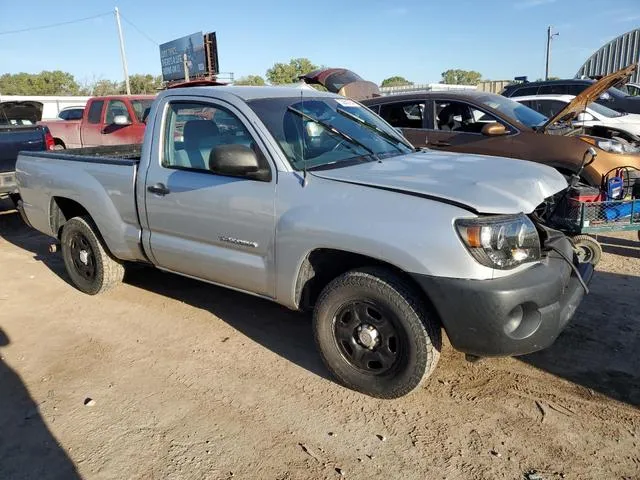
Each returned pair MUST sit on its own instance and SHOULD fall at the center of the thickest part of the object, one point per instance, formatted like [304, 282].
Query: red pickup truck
[110, 120]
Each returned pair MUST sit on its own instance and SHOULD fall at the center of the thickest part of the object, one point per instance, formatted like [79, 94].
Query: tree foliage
[43, 83]
[461, 77]
[145, 83]
[395, 81]
[289, 72]
[250, 80]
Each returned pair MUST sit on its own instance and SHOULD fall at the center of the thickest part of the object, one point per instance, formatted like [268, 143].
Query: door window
[550, 108]
[194, 130]
[116, 107]
[461, 117]
[95, 111]
[403, 114]
[554, 89]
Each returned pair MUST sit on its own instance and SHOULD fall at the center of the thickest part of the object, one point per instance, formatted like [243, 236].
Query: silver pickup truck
[311, 200]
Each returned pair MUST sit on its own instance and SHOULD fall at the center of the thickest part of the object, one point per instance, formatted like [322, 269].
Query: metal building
[618, 53]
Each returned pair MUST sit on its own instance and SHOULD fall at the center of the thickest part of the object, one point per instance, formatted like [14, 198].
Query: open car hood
[591, 94]
[492, 185]
[343, 82]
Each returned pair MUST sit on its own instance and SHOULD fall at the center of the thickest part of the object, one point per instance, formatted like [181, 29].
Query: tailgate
[14, 139]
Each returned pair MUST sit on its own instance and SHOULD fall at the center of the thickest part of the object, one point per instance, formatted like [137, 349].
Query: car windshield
[605, 111]
[141, 107]
[523, 114]
[307, 143]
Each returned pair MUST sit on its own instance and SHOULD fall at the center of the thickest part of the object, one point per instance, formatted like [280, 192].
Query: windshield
[304, 141]
[525, 115]
[605, 111]
[141, 107]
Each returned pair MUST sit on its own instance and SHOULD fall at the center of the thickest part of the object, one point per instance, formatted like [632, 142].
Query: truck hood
[591, 94]
[481, 183]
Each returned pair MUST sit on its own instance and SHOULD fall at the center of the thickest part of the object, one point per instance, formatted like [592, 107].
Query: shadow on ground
[600, 347]
[28, 450]
[598, 350]
[282, 331]
[620, 246]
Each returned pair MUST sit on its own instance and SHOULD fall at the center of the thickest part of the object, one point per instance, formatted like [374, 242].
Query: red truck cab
[109, 120]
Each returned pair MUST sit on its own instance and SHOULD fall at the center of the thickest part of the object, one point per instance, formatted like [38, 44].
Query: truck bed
[100, 179]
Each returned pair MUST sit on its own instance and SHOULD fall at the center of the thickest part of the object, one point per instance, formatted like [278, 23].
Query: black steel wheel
[367, 336]
[91, 269]
[375, 334]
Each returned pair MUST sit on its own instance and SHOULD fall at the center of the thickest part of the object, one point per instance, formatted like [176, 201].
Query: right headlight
[502, 241]
[609, 145]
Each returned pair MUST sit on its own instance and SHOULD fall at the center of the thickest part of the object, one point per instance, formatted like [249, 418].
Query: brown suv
[477, 122]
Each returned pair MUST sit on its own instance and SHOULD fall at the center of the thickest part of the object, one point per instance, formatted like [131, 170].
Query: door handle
[158, 189]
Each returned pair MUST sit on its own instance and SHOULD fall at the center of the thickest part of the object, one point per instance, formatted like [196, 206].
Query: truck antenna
[304, 158]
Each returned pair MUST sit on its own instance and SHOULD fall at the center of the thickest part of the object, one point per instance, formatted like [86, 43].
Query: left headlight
[502, 242]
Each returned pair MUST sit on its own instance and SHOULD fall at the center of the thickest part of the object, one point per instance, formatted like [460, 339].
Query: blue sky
[417, 39]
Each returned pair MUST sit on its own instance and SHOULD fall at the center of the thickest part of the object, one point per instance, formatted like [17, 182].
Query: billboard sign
[172, 57]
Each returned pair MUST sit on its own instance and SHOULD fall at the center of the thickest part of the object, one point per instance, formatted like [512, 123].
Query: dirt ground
[187, 381]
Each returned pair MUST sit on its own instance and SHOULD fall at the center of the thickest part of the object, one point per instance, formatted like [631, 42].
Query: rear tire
[91, 268]
[374, 333]
[588, 249]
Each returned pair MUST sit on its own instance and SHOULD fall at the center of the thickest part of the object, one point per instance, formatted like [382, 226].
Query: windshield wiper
[333, 129]
[386, 136]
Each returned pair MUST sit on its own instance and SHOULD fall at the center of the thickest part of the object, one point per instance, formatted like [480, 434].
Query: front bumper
[8, 183]
[513, 315]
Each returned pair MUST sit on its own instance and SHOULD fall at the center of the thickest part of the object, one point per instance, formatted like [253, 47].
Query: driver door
[461, 131]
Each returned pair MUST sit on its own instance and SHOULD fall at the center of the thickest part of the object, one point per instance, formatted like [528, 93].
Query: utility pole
[122, 54]
[549, 38]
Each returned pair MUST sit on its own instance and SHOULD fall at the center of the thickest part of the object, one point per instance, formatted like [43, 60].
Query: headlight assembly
[502, 241]
[609, 145]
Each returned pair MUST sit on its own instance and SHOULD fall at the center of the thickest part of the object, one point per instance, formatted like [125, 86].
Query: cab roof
[251, 92]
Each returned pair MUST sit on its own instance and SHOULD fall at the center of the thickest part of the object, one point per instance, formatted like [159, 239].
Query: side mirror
[236, 161]
[121, 120]
[584, 117]
[494, 129]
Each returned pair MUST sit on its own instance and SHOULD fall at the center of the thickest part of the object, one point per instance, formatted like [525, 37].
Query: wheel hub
[368, 336]
[84, 257]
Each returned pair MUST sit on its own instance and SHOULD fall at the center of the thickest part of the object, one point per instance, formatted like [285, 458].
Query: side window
[576, 89]
[550, 108]
[461, 117]
[95, 111]
[74, 114]
[403, 114]
[554, 89]
[194, 130]
[374, 108]
[64, 115]
[116, 107]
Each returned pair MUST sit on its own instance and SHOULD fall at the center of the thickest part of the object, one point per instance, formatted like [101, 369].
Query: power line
[42, 27]
[138, 29]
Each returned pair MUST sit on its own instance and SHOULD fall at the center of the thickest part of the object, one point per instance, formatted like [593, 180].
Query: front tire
[374, 333]
[91, 268]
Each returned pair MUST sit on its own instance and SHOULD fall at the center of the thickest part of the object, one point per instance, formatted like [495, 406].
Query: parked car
[71, 113]
[622, 126]
[316, 203]
[15, 137]
[612, 97]
[489, 124]
[110, 120]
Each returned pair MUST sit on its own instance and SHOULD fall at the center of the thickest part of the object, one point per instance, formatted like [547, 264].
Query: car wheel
[588, 249]
[91, 268]
[374, 333]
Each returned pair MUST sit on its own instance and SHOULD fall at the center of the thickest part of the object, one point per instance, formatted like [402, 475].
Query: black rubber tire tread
[421, 326]
[592, 244]
[109, 272]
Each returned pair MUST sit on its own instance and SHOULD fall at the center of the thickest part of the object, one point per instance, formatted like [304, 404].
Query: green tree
[106, 87]
[250, 80]
[289, 72]
[395, 81]
[43, 83]
[148, 83]
[461, 77]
